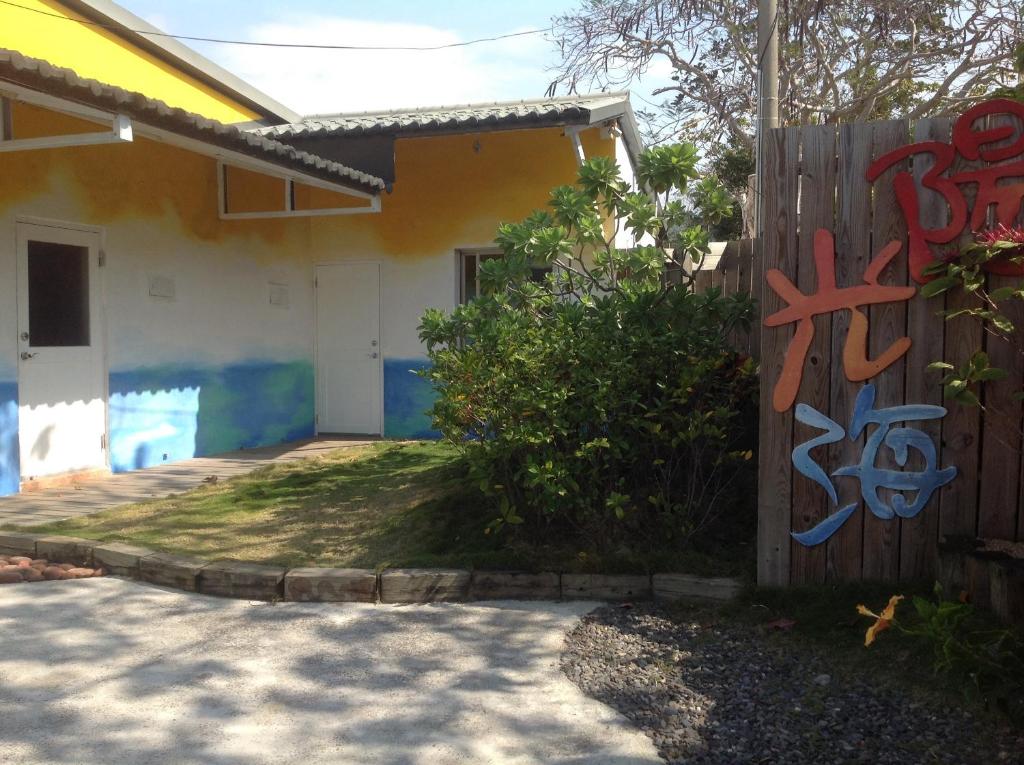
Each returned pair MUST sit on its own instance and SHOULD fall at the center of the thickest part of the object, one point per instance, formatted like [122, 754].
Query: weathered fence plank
[733, 274]
[961, 428]
[920, 534]
[779, 250]
[888, 323]
[817, 210]
[1001, 435]
[756, 249]
[853, 250]
[702, 280]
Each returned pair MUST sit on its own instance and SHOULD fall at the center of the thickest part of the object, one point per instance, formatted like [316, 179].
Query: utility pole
[768, 95]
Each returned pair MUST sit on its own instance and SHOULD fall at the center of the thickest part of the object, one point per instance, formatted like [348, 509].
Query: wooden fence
[816, 179]
[737, 270]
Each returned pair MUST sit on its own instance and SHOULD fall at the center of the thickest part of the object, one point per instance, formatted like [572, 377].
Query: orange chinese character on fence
[803, 308]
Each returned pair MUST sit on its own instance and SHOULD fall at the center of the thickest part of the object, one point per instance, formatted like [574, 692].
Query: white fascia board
[120, 125]
[622, 112]
[373, 207]
[289, 211]
[121, 132]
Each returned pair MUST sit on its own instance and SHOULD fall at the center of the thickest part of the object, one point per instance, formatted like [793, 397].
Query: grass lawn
[387, 505]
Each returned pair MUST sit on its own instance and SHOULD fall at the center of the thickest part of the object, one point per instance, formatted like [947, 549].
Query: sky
[319, 82]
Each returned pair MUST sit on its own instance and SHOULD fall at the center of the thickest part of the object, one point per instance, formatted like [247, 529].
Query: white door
[349, 364]
[62, 415]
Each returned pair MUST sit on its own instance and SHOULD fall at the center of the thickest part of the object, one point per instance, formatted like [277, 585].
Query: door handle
[25, 355]
[373, 355]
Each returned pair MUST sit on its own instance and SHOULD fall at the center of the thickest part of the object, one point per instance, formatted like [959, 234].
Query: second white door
[349, 364]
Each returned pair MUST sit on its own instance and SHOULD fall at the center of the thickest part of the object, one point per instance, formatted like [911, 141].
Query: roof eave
[35, 75]
[607, 107]
[622, 112]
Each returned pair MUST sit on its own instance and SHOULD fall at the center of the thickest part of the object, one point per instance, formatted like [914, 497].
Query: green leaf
[938, 286]
[924, 608]
[1002, 293]
[940, 365]
[991, 374]
[967, 398]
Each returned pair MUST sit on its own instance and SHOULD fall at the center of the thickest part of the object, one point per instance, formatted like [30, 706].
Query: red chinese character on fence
[803, 308]
[971, 145]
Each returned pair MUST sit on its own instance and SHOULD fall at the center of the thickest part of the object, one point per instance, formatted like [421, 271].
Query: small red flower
[1002, 233]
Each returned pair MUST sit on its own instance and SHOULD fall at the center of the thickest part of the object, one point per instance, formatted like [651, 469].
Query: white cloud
[324, 81]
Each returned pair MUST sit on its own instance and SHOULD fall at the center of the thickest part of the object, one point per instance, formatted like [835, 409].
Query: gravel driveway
[111, 671]
[721, 695]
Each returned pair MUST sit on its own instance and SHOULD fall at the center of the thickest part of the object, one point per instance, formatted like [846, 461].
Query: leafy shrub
[987, 663]
[603, 403]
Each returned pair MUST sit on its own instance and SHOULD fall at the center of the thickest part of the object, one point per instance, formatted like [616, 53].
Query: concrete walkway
[111, 671]
[96, 494]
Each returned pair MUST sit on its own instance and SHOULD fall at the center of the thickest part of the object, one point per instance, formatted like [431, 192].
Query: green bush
[986, 663]
[603, 404]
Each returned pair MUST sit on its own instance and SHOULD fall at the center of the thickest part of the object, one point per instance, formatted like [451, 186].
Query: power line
[220, 41]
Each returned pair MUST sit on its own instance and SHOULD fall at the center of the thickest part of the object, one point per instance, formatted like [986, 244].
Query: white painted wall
[221, 311]
[220, 317]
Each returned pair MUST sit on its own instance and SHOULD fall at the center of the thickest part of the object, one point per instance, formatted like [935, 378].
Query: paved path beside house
[96, 494]
[107, 670]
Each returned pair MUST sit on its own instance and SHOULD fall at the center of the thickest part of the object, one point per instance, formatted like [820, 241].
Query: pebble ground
[724, 694]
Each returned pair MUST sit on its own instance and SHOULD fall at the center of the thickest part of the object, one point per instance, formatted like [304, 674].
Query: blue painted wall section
[162, 414]
[407, 398]
[10, 461]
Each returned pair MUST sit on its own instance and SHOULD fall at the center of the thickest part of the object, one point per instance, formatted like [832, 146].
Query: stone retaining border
[252, 581]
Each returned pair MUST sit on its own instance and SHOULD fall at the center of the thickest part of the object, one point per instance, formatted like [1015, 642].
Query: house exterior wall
[451, 193]
[215, 368]
[47, 32]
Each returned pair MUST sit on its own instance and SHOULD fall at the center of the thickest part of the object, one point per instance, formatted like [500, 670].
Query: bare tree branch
[840, 60]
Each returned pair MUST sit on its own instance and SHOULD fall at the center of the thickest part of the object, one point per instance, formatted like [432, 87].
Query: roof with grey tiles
[569, 110]
[42, 76]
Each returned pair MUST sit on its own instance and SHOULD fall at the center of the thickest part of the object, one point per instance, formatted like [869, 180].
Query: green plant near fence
[994, 308]
[603, 404]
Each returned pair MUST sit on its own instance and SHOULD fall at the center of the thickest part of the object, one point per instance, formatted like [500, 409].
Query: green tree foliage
[604, 403]
[733, 164]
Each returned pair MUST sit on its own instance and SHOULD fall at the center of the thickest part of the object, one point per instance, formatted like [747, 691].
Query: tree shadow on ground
[113, 671]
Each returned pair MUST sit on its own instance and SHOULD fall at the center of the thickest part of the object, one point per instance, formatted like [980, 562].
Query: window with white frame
[469, 271]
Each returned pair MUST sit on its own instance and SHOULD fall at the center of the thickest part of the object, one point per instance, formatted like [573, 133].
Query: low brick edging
[990, 571]
[251, 581]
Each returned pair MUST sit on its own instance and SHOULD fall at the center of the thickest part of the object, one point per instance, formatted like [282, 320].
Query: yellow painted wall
[157, 207]
[143, 179]
[100, 54]
[453, 191]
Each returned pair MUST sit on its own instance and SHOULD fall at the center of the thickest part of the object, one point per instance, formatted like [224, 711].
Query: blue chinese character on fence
[871, 477]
